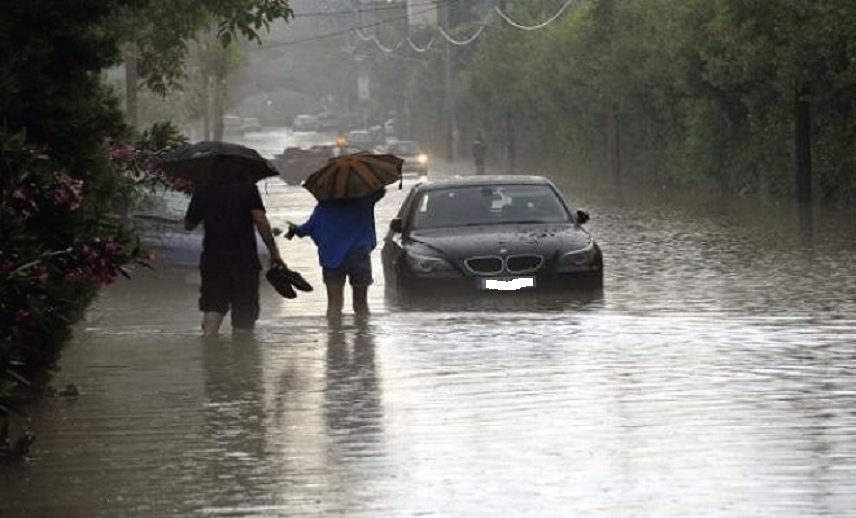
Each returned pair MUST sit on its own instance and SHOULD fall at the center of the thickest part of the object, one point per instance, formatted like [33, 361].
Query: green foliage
[57, 250]
[156, 32]
[66, 156]
[685, 92]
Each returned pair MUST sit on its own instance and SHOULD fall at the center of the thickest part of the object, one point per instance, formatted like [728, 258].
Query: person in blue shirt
[344, 231]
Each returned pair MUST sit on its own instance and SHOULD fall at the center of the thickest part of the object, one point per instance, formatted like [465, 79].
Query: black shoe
[280, 282]
[295, 279]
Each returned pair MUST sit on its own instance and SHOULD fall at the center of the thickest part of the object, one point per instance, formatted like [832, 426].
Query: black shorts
[357, 267]
[230, 285]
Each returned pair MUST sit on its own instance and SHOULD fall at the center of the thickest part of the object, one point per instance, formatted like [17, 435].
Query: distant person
[344, 232]
[479, 150]
[231, 211]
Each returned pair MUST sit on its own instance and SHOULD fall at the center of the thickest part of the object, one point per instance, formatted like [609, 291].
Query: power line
[269, 45]
[355, 10]
[438, 29]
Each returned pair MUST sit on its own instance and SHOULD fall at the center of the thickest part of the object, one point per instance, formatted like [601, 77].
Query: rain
[709, 375]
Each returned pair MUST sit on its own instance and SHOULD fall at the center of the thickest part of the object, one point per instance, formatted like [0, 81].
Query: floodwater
[713, 377]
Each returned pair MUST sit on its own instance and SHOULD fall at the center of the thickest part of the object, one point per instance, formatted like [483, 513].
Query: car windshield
[487, 205]
[404, 148]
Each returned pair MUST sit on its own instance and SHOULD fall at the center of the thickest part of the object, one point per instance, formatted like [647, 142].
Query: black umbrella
[204, 161]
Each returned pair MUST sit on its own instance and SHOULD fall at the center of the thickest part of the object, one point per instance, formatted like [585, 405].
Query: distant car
[305, 123]
[294, 164]
[233, 126]
[415, 159]
[252, 124]
[361, 139]
[481, 233]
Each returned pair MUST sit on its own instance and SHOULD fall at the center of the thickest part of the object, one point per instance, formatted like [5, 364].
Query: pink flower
[121, 152]
[74, 277]
[22, 316]
[111, 245]
[69, 191]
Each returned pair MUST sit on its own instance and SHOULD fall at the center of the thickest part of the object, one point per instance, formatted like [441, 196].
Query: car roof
[466, 181]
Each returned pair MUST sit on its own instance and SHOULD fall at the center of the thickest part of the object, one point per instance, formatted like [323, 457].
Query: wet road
[713, 377]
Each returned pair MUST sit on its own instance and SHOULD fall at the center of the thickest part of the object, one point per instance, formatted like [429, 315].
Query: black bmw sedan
[466, 234]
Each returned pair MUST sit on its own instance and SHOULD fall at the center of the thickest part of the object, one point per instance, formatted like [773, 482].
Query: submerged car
[361, 139]
[158, 219]
[481, 233]
[415, 159]
[295, 164]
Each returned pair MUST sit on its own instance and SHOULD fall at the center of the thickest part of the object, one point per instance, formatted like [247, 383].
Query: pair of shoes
[280, 282]
[295, 279]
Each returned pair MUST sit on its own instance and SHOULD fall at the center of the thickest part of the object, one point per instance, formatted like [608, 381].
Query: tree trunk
[511, 151]
[218, 108]
[131, 88]
[614, 146]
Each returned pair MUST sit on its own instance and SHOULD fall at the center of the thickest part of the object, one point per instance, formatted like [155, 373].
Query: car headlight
[427, 264]
[581, 259]
[422, 158]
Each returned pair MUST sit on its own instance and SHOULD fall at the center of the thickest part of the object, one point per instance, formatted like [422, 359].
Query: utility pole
[448, 97]
[510, 150]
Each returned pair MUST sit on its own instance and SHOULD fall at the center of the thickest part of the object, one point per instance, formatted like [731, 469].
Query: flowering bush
[138, 163]
[55, 256]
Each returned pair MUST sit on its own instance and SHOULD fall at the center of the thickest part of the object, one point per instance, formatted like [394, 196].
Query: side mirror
[582, 217]
[395, 225]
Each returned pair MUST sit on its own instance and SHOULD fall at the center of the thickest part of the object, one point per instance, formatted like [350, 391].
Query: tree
[154, 35]
[59, 126]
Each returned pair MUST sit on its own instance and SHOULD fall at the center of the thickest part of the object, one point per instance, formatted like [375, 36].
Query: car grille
[523, 263]
[484, 265]
[493, 265]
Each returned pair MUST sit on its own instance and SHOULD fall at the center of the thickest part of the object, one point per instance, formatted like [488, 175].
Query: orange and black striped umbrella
[354, 176]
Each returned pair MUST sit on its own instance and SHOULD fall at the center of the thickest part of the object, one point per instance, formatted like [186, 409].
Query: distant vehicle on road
[233, 126]
[295, 164]
[475, 234]
[305, 123]
[252, 124]
[361, 139]
[415, 159]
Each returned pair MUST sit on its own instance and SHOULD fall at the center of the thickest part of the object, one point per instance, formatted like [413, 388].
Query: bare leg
[211, 321]
[335, 300]
[361, 300]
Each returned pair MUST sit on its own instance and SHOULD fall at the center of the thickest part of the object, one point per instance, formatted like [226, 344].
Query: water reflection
[234, 417]
[489, 301]
[353, 412]
[352, 395]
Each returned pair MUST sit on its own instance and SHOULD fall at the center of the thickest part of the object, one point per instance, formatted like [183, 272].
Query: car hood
[462, 242]
[180, 248]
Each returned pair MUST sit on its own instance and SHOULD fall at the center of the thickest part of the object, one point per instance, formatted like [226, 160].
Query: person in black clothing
[479, 152]
[231, 211]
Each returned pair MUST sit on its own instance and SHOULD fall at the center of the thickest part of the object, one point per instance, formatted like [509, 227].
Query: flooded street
[712, 377]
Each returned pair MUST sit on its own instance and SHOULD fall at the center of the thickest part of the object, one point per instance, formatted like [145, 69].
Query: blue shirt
[339, 228]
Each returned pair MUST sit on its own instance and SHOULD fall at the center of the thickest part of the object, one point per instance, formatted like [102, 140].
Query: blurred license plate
[517, 283]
